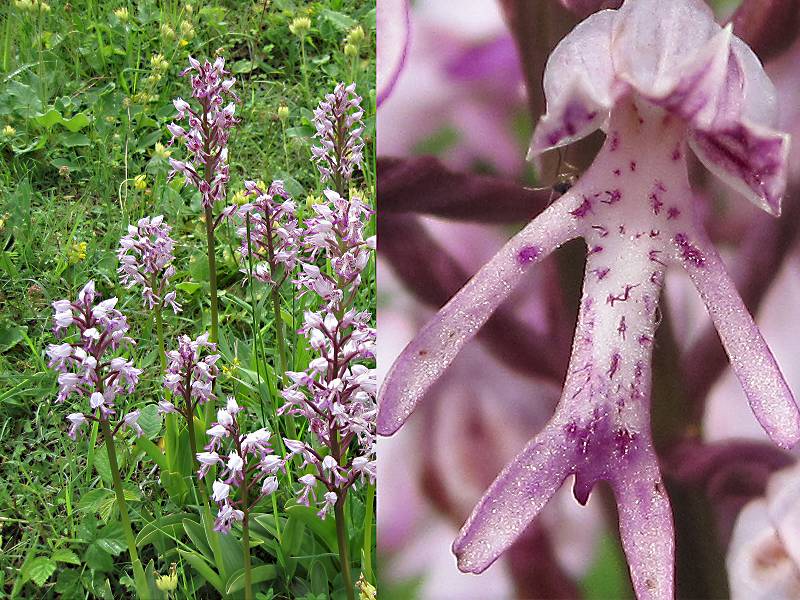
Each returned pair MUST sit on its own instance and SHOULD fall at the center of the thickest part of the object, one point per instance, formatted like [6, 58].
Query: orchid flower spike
[659, 79]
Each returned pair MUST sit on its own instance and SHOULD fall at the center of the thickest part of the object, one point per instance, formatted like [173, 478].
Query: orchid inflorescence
[209, 127]
[248, 462]
[336, 393]
[145, 254]
[87, 366]
[270, 232]
[648, 71]
[190, 376]
[339, 128]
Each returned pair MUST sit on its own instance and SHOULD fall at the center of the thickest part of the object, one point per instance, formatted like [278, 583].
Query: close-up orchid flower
[661, 80]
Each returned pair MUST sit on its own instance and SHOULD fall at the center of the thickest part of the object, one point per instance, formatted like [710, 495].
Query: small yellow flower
[311, 200]
[159, 63]
[283, 112]
[76, 253]
[366, 591]
[161, 151]
[167, 32]
[168, 583]
[351, 50]
[239, 198]
[300, 26]
[122, 14]
[356, 35]
[187, 29]
[44, 7]
[183, 43]
[189, 9]
[9, 131]
[230, 370]
[140, 182]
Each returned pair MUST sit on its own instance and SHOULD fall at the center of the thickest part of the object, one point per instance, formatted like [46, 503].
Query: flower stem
[212, 274]
[248, 575]
[140, 580]
[344, 553]
[369, 515]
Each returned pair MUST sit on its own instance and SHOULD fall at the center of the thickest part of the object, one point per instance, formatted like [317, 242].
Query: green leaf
[258, 574]
[198, 536]
[153, 451]
[301, 132]
[203, 569]
[98, 559]
[11, 334]
[73, 140]
[168, 526]
[39, 570]
[190, 287]
[53, 117]
[341, 21]
[150, 421]
[91, 500]
[324, 530]
[65, 555]
[608, 576]
[111, 545]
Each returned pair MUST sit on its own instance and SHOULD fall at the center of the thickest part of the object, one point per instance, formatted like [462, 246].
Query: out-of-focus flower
[394, 24]
[283, 112]
[764, 555]
[300, 26]
[9, 131]
[76, 253]
[122, 14]
[623, 71]
[145, 254]
[169, 582]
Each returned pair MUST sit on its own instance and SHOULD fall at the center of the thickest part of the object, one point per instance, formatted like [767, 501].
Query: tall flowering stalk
[209, 126]
[338, 120]
[190, 378]
[336, 393]
[270, 241]
[247, 476]
[145, 254]
[659, 79]
[88, 367]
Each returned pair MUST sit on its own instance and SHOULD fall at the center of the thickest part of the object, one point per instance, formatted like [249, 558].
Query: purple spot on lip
[584, 209]
[528, 254]
[673, 213]
[617, 172]
[614, 141]
[614, 196]
[633, 165]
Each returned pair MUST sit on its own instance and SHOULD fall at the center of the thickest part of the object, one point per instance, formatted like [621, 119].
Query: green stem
[162, 352]
[140, 580]
[369, 515]
[212, 274]
[248, 575]
[306, 89]
[279, 336]
[255, 320]
[344, 553]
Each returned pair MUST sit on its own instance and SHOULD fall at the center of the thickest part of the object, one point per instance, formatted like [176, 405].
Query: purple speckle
[614, 144]
[622, 327]
[603, 231]
[614, 366]
[624, 441]
[677, 154]
[601, 273]
[617, 172]
[528, 254]
[673, 213]
[689, 252]
[595, 250]
[653, 256]
[633, 165]
[584, 209]
[644, 340]
[614, 196]
[623, 297]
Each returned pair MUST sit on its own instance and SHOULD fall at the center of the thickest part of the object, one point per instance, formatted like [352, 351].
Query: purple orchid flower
[658, 79]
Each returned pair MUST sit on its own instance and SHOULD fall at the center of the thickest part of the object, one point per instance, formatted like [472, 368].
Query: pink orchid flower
[659, 79]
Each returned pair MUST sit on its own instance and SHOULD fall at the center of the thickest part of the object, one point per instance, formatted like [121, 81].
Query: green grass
[81, 113]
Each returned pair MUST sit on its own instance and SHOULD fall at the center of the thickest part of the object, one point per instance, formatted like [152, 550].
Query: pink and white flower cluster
[190, 376]
[337, 231]
[209, 127]
[248, 464]
[274, 236]
[145, 254]
[339, 128]
[86, 365]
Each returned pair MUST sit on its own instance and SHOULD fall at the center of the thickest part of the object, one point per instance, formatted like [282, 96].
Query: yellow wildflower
[300, 26]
